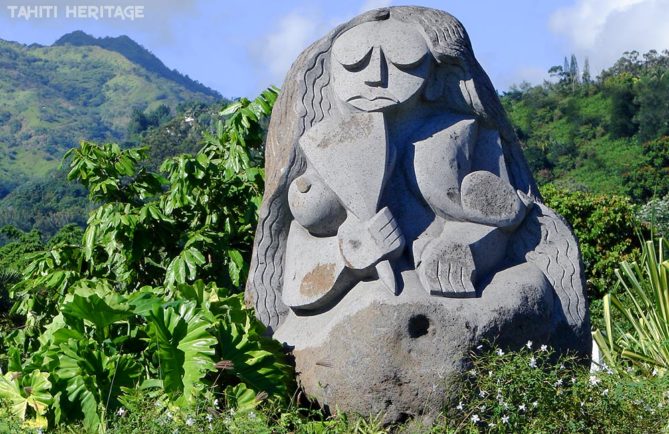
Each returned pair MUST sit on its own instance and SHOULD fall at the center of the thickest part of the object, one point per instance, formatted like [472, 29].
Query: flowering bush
[534, 391]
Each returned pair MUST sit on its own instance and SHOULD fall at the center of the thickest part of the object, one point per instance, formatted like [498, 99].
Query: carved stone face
[380, 64]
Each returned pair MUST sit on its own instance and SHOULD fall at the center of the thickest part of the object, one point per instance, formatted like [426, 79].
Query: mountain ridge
[136, 53]
[52, 97]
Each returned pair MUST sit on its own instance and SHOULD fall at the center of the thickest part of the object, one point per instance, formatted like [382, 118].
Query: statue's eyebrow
[405, 64]
[405, 53]
[352, 64]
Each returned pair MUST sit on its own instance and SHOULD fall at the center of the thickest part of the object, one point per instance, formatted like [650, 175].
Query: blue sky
[240, 47]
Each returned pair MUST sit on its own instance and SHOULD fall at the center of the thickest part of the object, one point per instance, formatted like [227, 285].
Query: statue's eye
[409, 66]
[352, 50]
[406, 53]
[357, 65]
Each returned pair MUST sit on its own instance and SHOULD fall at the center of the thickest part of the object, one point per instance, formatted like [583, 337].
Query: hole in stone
[418, 326]
[404, 417]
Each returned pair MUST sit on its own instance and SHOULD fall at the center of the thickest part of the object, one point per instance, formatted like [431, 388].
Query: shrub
[606, 229]
[529, 391]
[150, 298]
[640, 334]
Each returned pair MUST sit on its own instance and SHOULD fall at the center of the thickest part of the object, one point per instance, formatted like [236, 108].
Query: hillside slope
[53, 97]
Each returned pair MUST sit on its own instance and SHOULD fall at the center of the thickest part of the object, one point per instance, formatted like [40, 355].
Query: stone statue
[400, 224]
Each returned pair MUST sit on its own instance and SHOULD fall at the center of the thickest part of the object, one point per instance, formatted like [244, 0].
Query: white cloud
[279, 48]
[603, 29]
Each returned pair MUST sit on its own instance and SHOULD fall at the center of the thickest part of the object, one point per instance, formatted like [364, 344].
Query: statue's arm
[328, 248]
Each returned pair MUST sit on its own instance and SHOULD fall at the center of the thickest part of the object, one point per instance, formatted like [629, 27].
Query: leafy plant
[533, 391]
[151, 298]
[606, 228]
[641, 336]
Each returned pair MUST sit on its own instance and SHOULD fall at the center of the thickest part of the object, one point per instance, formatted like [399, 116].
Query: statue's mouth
[373, 98]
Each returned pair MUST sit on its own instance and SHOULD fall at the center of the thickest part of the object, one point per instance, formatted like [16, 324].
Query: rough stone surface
[400, 224]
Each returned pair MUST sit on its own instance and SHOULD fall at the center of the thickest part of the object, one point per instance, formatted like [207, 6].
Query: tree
[585, 77]
[574, 75]
[151, 297]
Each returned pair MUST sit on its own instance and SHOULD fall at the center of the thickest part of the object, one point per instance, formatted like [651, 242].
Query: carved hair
[307, 98]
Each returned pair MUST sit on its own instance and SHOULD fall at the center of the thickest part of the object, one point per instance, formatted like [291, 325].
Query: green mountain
[137, 54]
[80, 88]
[604, 135]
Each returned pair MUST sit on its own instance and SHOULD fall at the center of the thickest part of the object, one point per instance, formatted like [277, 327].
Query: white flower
[573, 380]
[654, 373]
[521, 407]
[483, 394]
[605, 392]
[535, 404]
[500, 352]
[482, 408]
[472, 372]
[475, 418]
[561, 367]
[252, 415]
[460, 406]
[121, 412]
[506, 406]
[529, 345]
[210, 418]
[216, 402]
[169, 414]
[543, 348]
[505, 419]
[190, 421]
[558, 383]
[594, 380]
[533, 362]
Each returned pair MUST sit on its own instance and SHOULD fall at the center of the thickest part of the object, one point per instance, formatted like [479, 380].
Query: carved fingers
[448, 269]
[385, 231]
[365, 243]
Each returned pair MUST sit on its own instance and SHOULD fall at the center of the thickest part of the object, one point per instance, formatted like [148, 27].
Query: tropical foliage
[606, 227]
[603, 135]
[639, 335]
[150, 298]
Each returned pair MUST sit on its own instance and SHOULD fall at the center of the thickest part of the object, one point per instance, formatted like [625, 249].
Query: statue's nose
[376, 72]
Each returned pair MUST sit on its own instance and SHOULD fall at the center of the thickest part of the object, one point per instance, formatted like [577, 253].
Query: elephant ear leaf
[100, 311]
[184, 347]
[30, 392]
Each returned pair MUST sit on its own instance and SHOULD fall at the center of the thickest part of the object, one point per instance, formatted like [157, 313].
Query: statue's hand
[448, 268]
[365, 243]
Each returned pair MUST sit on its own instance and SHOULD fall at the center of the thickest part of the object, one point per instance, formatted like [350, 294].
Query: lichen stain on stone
[356, 127]
[318, 281]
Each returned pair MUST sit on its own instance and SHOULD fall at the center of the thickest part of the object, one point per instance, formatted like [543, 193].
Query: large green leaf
[256, 360]
[94, 378]
[97, 306]
[184, 347]
[33, 391]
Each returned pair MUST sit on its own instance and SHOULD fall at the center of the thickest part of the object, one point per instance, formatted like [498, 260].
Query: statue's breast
[441, 156]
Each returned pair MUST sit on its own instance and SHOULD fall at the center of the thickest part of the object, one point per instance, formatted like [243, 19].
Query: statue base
[401, 356]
